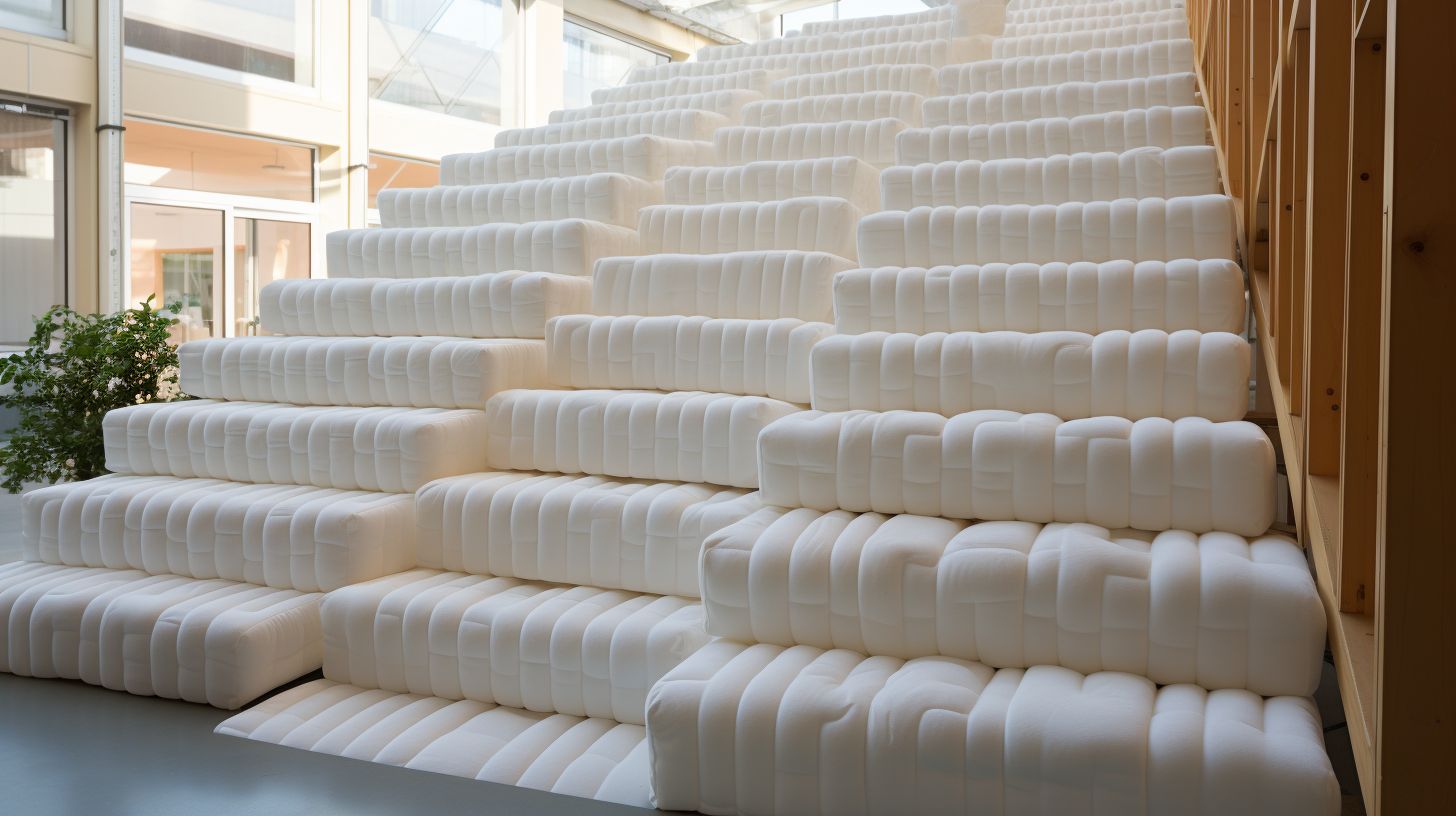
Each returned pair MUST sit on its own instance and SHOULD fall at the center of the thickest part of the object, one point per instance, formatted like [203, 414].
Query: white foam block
[915, 79]
[1066, 99]
[840, 177]
[1094, 133]
[872, 142]
[809, 224]
[1171, 56]
[643, 156]
[567, 247]
[1093, 22]
[908, 33]
[862, 106]
[753, 285]
[643, 88]
[1038, 44]
[611, 198]
[691, 125]
[727, 103]
[935, 52]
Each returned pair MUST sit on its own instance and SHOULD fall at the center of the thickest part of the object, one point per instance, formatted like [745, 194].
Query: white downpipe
[110, 155]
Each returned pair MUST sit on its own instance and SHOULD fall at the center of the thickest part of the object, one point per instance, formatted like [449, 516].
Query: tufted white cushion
[727, 103]
[933, 52]
[1061, 11]
[754, 285]
[1066, 25]
[1093, 133]
[809, 223]
[919, 32]
[567, 247]
[1037, 44]
[840, 177]
[873, 142]
[1067, 99]
[942, 14]
[611, 198]
[915, 79]
[1152, 474]
[861, 106]
[693, 125]
[673, 83]
[1171, 56]
[646, 157]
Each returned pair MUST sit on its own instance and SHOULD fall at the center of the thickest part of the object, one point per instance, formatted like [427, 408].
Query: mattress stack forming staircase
[844, 423]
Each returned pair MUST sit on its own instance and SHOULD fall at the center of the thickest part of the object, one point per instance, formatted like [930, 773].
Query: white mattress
[567, 247]
[1066, 99]
[1144, 229]
[1047, 11]
[1066, 25]
[1171, 56]
[1152, 474]
[728, 103]
[688, 436]
[1143, 172]
[692, 125]
[410, 372]
[646, 157]
[389, 449]
[1170, 295]
[1217, 610]
[841, 177]
[809, 223]
[1150, 373]
[872, 142]
[859, 106]
[765, 730]
[858, 23]
[934, 52]
[593, 758]
[751, 285]
[216, 642]
[1094, 133]
[503, 304]
[644, 88]
[611, 198]
[915, 79]
[908, 33]
[285, 536]
[617, 534]
[1038, 44]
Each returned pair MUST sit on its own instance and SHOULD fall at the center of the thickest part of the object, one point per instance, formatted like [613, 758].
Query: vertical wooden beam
[1299, 229]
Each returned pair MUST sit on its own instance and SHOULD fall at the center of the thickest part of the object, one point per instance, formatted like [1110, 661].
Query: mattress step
[1035, 12]
[914, 79]
[839, 177]
[863, 107]
[727, 103]
[1039, 138]
[1170, 56]
[1069, 25]
[611, 198]
[689, 125]
[755, 285]
[872, 142]
[1047, 44]
[834, 41]
[644, 156]
[673, 84]
[809, 224]
[936, 52]
[217, 642]
[1066, 100]
[567, 247]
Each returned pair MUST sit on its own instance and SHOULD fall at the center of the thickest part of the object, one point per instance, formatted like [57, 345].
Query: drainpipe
[110, 193]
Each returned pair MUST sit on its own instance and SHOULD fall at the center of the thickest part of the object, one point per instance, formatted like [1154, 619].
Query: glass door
[264, 250]
[176, 254]
[32, 219]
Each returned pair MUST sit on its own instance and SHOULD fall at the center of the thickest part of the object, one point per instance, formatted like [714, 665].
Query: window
[437, 55]
[181, 158]
[846, 10]
[387, 171]
[176, 255]
[46, 17]
[32, 217]
[269, 38]
[598, 60]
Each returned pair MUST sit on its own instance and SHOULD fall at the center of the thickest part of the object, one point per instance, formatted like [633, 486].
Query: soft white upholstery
[1152, 474]
[752, 285]
[593, 758]
[915, 79]
[611, 198]
[934, 30]
[1117, 132]
[410, 372]
[767, 358]
[1172, 56]
[688, 436]
[567, 247]
[540, 647]
[1150, 373]
[694, 125]
[1067, 99]
[841, 177]
[1063, 11]
[728, 103]
[672, 84]
[933, 52]
[503, 304]
[1016, 594]
[646, 157]
[1197, 227]
[590, 530]
[873, 142]
[766, 729]
[216, 642]
[1143, 172]
[863, 106]
[1067, 25]
[1086, 297]
[1038, 44]
[390, 449]
[285, 536]
[808, 223]
[943, 14]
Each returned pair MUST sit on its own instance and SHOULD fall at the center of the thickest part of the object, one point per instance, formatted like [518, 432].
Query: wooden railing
[1338, 146]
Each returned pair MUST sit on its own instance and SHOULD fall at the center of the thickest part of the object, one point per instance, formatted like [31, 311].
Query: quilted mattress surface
[503, 304]
[542, 647]
[645, 156]
[1217, 610]
[862, 106]
[872, 142]
[935, 52]
[945, 13]
[1066, 43]
[1170, 56]
[592, 758]
[1142, 229]
[915, 79]
[567, 247]
[1037, 11]
[1086, 297]
[832, 41]
[611, 198]
[285, 536]
[687, 436]
[766, 729]
[412, 372]
[1037, 138]
[216, 642]
[691, 125]
[1092, 21]
[728, 103]
[591, 530]
[768, 358]
[809, 224]
[1067, 99]
[839, 176]
[754, 285]
[388, 449]
[1149, 373]
[1152, 474]
[752, 79]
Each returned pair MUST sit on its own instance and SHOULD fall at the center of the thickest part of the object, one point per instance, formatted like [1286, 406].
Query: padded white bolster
[872, 142]
[216, 642]
[1038, 44]
[768, 358]
[763, 729]
[1094, 133]
[1067, 99]
[863, 106]
[594, 758]
[285, 536]
[611, 198]
[752, 285]
[809, 223]
[567, 247]
[1197, 227]
[915, 79]
[694, 125]
[410, 372]
[1173, 56]
[1143, 172]
[935, 52]
[617, 534]
[540, 647]
[840, 177]
[1025, 28]
[389, 449]
[639, 89]
[1014, 594]
[1086, 297]
[503, 304]
[1061, 11]
[646, 157]
[688, 436]
[815, 43]
[728, 103]
[1150, 373]
[945, 13]
[1152, 474]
